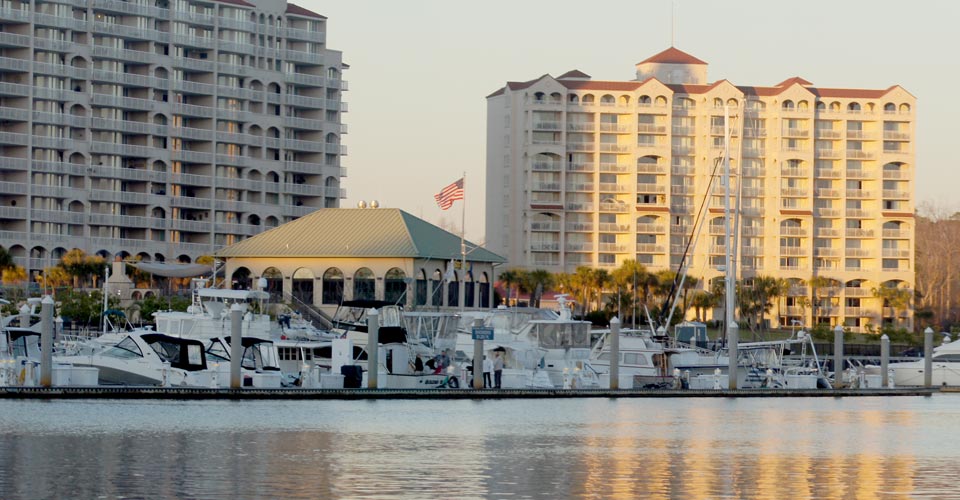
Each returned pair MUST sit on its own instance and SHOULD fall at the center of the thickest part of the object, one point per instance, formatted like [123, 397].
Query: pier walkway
[197, 393]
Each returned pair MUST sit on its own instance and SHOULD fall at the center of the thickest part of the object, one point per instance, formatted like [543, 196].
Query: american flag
[450, 194]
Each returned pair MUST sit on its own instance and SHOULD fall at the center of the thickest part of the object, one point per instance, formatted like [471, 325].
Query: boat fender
[453, 383]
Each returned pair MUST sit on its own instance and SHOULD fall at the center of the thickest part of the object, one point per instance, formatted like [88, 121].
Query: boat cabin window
[126, 348]
[21, 346]
[260, 356]
[632, 358]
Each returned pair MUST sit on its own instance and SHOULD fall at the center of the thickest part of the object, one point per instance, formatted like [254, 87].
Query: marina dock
[195, 393]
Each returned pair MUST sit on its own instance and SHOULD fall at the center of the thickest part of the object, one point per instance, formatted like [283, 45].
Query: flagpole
[463, 246]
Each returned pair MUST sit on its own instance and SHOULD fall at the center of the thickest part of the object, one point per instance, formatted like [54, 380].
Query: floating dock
[198, 393]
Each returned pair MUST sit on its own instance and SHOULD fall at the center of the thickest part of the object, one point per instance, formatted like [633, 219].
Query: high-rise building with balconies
[163, 129]
[583, 172]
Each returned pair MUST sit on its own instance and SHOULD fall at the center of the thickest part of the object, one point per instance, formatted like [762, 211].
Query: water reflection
[658, 448]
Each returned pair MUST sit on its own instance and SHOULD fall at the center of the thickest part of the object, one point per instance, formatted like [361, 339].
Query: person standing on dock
[487, 369]
[497, 369]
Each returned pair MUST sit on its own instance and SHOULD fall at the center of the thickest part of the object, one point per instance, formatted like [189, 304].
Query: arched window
[644, 100]
[889, 108]
[421, 295]
[904, 109]
[853, 107]
[453, 290]
[787, 105]
[303, 285]
[484, 290]
[240, 280]
[364, 285]
[332, 286]
[394, 285]
[821, 106]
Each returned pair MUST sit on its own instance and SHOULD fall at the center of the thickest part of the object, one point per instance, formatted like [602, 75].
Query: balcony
[859, 174]
[857, 292]
[612, 247]
[752, 192]
[794, 192]
[857, 154]
[889, 135]
[892, 194]
[679, 170]
[612, 187]
[895, 253]
[579, 247]
[858, 253]
[822, 133]
[793, 252]
[571, 146]
[827, 232]
[651, 168]
[897, 233]
[796, 132]
[792, 231]
[649, 188]
[579, 227]
[581, 126]
[614, 207]
[650, 228]
[645, 128]
[895, 174]
[681, 190]
[545, 186]
[579, 207]
[828, 153]
[546, 166]
[545, 246]
[614, 148]
[546, 126]
[581, 167]
[615, 127]
[859, 233]
[609, 227]
[751, 230]
[580, 187]
[858, 212]
[860, 193]
[545, 226]
[650, 248]
[827, 252]
[754, 132]
[613, 168]
[794, 172]
[753, 172]
[826, 173]
[826, 193]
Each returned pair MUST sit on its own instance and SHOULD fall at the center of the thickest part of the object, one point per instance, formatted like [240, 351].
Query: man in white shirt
[487, 370]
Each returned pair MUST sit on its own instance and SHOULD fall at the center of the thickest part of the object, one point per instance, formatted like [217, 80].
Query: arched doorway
[303, 285]
[484, 290]
[274, 282]
[240, 280]
[453, 290]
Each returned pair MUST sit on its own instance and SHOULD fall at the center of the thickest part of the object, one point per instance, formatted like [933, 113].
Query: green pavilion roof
[356, 232]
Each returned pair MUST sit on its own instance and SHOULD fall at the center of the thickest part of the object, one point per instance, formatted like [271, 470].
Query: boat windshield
[21, 346]
[125, 349]
[261, 355]
[217, 352]
[562, 335]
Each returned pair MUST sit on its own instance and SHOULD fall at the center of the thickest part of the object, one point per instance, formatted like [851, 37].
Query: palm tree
[509, 277]
[539, 280]
[895, 298]
[630, 275]
[816, 283]
[6, 259]
[701, 301]
[582, 281]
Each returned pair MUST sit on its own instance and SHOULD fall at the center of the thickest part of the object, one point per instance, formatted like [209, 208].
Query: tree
[84, 308]
[630, 276]
[816, 284]
[53, 277]
[539, 280]
[6, 259]
[509, 277]
[15, 275]
[895, 298]
[701, 301]
[82, 266]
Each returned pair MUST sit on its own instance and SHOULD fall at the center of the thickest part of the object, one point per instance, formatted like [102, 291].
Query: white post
[928, 357]
[733, 338]
[884, 360]
[615, 353]
[46, 342]
[373, 347]
[838, 357]
[236, 345]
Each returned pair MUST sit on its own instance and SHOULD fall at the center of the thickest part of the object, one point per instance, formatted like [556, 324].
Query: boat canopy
[219, 293]
[182, 353]
[172, 270]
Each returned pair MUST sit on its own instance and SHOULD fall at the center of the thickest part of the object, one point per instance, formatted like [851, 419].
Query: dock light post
[928, 357]
[46, 342]
[733, 338]
[884, 360]
[615, 353]
[236, 345]
[373, 347]
[477, 358]
[838, 357]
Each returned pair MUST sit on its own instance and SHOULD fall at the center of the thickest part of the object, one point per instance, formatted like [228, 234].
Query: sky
[420, 71]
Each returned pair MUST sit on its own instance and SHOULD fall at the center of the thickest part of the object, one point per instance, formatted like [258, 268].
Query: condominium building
[162, 129]
[583, 172]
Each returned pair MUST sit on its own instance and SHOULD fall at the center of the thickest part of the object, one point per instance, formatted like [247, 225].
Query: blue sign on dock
[482, 333]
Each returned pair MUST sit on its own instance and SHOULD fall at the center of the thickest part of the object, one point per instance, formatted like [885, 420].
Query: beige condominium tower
[164, 129]
[582, 172]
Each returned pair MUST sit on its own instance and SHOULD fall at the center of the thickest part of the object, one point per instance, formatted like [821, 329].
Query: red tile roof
[672, 55]
[790, 81]
[600, 85]
[574, 73]
[297, 10]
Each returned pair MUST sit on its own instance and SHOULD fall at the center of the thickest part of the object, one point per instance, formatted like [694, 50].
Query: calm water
[630, 448]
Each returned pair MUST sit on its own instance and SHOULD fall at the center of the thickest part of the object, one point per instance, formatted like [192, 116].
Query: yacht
[147, 359]
[945, 363]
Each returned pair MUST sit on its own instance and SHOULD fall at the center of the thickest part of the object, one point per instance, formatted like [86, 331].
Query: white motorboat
[147, 359]
[945, 365]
